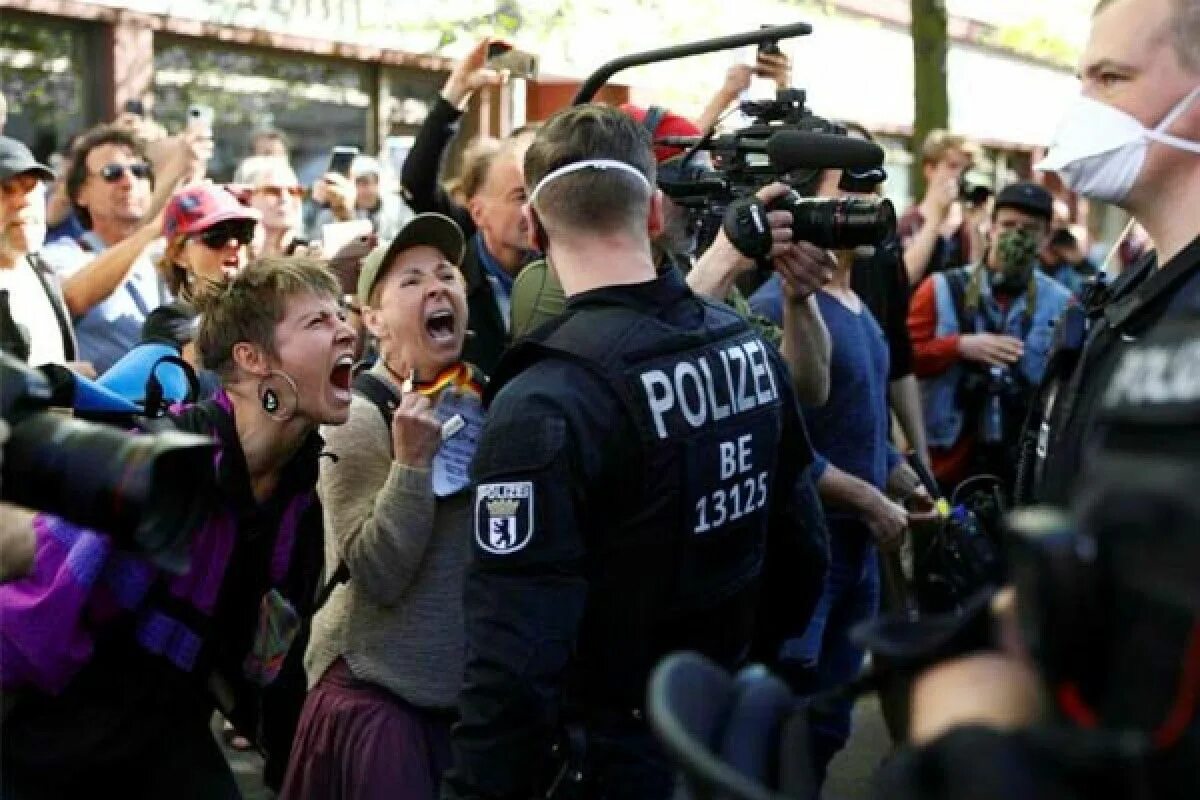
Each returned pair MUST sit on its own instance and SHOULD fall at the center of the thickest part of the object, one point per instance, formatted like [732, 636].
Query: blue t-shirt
[851, 430]
[767, 300]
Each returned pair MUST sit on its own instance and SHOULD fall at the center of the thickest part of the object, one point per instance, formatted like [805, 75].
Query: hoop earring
[278, 396]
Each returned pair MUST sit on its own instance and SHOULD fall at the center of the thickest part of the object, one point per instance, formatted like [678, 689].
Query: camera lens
[142, 487]
[843, 223]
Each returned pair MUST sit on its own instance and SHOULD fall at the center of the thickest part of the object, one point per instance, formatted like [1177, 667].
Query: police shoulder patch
[503, 516]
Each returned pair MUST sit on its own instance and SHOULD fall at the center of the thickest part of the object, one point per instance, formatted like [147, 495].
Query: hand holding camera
[953, 219]
[727, 258]
[774, 66]
[473, 73]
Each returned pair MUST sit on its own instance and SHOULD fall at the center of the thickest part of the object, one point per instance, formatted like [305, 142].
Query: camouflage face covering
[1016, 251]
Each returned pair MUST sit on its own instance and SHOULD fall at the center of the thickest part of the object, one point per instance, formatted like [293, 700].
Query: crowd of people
[485, 461]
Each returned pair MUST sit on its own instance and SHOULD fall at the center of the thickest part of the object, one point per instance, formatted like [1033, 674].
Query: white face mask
[1099, 150]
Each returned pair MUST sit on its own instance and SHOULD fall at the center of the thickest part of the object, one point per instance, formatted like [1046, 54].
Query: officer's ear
[655, 218]
[537, 232]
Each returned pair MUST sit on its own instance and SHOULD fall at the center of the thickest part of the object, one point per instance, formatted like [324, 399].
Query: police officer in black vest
[1132, 140]
[639, 491]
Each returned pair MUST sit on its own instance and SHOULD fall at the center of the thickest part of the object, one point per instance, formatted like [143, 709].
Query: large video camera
[148, 490]
[784, 141]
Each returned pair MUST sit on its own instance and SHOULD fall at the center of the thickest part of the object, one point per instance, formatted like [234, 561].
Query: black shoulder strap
[384, 399]
[340, 575]
[154, 404]
[43, 270]
[956, 282]
[380, 394]
[13, 340]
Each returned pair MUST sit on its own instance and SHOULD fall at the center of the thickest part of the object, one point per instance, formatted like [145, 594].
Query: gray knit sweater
[398, 621]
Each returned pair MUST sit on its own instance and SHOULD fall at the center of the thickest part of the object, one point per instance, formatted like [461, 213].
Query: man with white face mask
[1132, 139]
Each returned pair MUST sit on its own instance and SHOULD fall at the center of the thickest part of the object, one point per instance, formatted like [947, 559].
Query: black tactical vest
[675, 562]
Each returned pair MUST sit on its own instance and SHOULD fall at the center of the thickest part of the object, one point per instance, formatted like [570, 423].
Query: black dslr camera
[148, 490]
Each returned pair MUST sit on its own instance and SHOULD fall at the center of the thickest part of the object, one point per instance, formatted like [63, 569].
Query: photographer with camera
[1132, 139]
[113, 662]
[626, 505]
[364, 195]
[981, 338]
[942, 231]
[1063, 258]
[880, 279]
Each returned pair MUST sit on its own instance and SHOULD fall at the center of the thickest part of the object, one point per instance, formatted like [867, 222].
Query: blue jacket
[944, 416]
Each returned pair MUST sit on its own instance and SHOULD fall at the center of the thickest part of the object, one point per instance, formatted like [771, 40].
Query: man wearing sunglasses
[109, 280]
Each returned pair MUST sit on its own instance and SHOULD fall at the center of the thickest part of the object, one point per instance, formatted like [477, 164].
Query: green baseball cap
[433, 230]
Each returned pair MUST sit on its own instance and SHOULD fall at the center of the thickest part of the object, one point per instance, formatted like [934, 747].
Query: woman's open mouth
[440, 326]
[341, 377]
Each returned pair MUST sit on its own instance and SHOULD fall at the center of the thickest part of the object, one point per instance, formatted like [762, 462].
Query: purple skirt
[358, 741]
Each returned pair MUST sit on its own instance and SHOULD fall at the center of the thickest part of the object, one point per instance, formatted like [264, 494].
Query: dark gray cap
[15, 159]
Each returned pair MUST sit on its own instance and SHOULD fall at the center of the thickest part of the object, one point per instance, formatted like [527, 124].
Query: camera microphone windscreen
[789, 150]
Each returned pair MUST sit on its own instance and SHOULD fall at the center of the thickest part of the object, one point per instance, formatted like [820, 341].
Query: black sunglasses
[216, 237]
[113, 172]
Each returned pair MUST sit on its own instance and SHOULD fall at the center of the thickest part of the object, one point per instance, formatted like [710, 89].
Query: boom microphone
[715, 143]
[789, 150]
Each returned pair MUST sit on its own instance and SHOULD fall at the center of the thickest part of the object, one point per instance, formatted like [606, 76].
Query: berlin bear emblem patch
[504, 516]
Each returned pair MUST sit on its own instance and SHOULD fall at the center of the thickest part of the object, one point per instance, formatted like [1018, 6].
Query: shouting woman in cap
[387, 651]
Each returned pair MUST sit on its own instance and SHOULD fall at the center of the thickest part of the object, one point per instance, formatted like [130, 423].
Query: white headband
[592, 163]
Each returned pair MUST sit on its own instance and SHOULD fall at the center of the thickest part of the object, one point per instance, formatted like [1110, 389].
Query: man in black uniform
[637, 492]
[1133, 139]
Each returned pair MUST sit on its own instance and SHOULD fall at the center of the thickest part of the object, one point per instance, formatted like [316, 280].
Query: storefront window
[42, 80]
[316, 103]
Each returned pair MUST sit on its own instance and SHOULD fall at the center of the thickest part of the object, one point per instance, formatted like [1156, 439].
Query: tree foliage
[1035, 39]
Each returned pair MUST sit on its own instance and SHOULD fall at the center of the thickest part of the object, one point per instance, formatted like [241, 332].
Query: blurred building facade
[359, 72]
